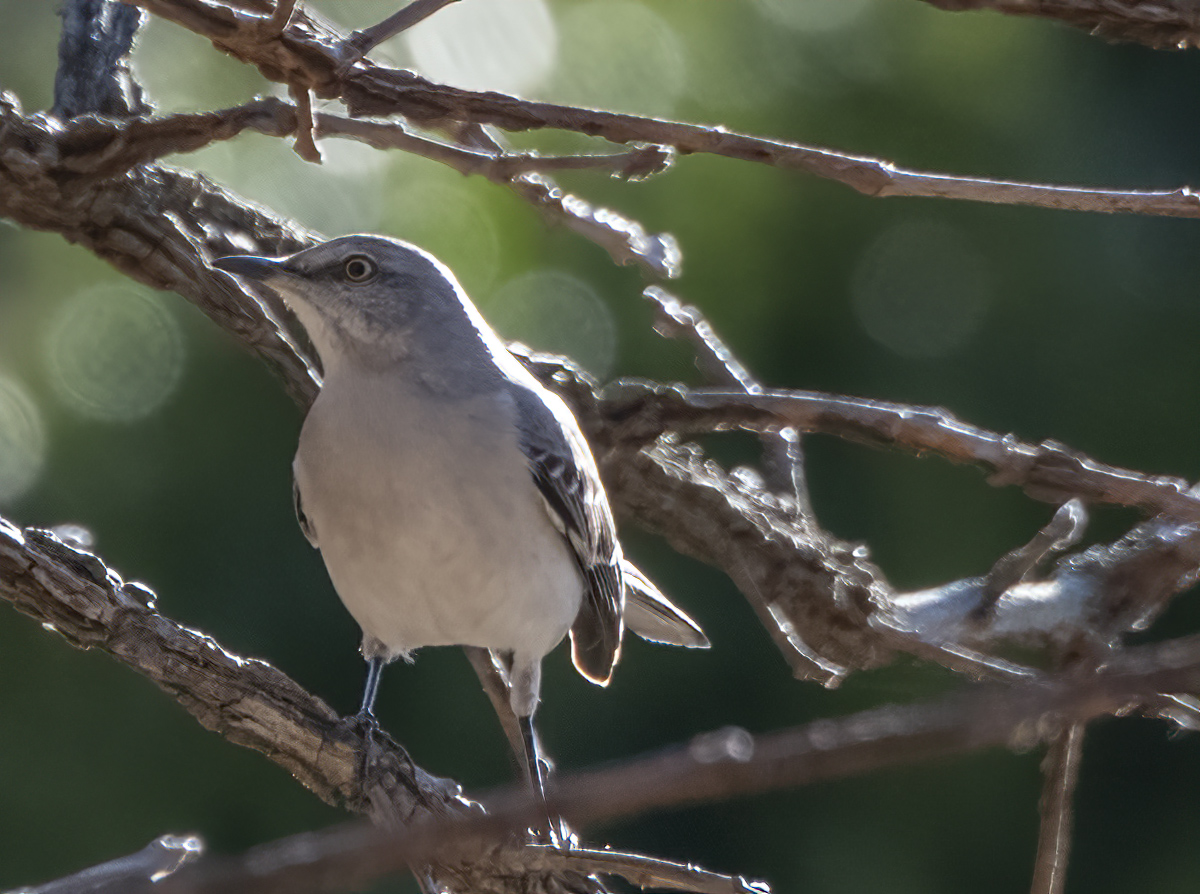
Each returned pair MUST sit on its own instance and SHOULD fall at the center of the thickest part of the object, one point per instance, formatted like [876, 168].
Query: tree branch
[1061, 771]
[93, 60]
[784, 459]
[1161, 24]
[362, 42]
[1049, 471]
[309, 54]
[247, 701]
[253, 704]
[157, 860]
[716, 766]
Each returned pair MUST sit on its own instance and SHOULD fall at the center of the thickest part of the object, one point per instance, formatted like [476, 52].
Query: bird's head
[370, 296]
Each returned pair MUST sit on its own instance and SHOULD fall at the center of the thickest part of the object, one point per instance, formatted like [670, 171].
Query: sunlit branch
[157, 860]
[641, 162]
[1048, 471]
[784, 461]
[309, 53]
[625, 240]
[306, 143]
[1060, 533]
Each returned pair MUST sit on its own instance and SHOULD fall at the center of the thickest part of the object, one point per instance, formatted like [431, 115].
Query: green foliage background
[1081, 328]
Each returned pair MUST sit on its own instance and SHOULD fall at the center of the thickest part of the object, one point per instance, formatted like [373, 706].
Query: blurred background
[127, 412]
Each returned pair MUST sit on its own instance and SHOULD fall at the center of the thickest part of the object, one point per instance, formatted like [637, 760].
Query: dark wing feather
[566, 476]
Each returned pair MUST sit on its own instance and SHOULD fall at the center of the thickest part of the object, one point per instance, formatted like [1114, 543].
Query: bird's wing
[310, 533]
[565, 473]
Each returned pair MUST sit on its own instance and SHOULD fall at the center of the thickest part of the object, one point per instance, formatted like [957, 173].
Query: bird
[453, 498]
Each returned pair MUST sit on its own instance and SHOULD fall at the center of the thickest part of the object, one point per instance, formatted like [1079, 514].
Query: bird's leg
[365, 719]
[537, 770]
[368, 727]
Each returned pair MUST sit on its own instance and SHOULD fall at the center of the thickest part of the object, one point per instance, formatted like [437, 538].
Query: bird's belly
[435, 535]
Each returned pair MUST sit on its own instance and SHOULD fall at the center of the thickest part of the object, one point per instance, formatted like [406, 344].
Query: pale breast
[429, 522]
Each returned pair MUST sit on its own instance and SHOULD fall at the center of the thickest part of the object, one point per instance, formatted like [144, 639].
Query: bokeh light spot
[921, 289]
[619, 54]
[447, 219]
[22, 440]
[554, 311]
[115, 353]
[485, 45]
[814, 15]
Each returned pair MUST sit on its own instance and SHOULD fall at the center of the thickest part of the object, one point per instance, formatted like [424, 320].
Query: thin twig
[495, 686]
[1060, 769]
[153, 863]
[963, 660]
[306, 144]
[281, 16]
[625, 240]
[1060, 533]
[362, 42]
[784, 458]
[641, 162]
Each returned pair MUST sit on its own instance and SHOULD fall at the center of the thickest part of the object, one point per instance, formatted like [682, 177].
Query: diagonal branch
[157, 860]
[362, 42]
[247, 701]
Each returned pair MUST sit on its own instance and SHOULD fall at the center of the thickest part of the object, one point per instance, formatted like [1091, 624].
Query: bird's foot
[370, 752]
[554, 832]
[368, 728]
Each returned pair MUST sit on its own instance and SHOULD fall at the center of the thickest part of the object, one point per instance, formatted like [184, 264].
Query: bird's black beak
[250, 267]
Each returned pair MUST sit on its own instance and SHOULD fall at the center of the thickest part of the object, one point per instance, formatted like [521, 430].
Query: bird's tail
[652, 616]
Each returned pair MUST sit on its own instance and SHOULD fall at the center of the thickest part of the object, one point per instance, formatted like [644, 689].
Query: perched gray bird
[453, 498]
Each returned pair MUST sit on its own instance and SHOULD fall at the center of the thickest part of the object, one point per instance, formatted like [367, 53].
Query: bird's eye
[359, 268]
